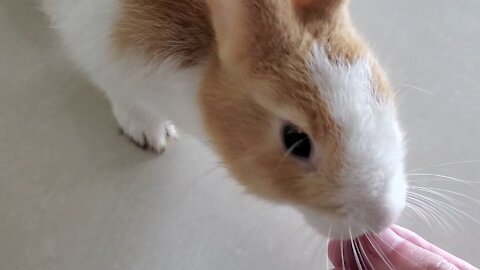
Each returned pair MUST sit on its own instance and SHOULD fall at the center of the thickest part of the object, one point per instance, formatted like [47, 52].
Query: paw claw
[171, 131]
[156, 140]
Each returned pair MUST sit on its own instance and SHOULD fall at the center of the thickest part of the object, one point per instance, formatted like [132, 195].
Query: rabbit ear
[249, 31]
[253, 31]
[318, 4]
[229, 21]
[313, 10]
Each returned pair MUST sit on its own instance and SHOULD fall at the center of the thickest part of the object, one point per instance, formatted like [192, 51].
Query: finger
[341, 260]
[419, 241]
[395, 252]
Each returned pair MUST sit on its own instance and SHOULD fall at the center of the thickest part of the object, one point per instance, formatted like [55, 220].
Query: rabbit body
[146, 98]
[290, 97]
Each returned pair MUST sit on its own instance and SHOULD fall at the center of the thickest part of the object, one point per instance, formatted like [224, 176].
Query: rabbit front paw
[145, 129]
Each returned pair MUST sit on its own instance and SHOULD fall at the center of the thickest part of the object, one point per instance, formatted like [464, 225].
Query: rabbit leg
[145, 128]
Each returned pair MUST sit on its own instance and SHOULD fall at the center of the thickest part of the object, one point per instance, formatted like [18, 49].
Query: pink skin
[403, 249]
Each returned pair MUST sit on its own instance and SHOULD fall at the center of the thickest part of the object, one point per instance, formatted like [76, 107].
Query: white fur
[144, 98]
[373, 179]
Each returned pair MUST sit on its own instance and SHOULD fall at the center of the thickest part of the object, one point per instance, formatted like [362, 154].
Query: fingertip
[340, 253]
[424, 244]
[334, 253]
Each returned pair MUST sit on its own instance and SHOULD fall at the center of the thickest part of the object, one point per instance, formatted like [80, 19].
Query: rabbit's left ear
[313, 10]
[249, 31]
[318, 4]
[229, 20]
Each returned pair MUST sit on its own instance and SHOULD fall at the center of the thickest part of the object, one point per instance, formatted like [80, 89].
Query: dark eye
[296, 141]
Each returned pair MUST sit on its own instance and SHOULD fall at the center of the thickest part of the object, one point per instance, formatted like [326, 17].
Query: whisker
[361, 256]
[448, 191]
[453, 209]
[444, 177]
[399, 253]
[326, 253]
[416, 213]
[434, 212]
[288, 152]
[379, 251]
[434, 192]
[409, 216]
[419, 210]
[456, 210]
[446, 164]
[357, 260]
[418, 89]
[363, 251]
[423, 200]
[341, 254]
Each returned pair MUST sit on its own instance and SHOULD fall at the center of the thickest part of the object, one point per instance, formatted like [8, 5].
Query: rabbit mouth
[357, 218]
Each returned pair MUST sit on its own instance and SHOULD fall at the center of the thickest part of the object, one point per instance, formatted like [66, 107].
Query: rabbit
[286, 92]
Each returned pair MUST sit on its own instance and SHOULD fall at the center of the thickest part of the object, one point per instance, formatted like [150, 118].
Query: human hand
[395, 248]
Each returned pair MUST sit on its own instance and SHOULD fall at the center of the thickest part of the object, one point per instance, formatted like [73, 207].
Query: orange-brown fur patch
[272, 58]
[158, 29]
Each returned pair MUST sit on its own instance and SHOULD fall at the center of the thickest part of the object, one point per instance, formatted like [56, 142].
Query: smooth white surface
[74, 194]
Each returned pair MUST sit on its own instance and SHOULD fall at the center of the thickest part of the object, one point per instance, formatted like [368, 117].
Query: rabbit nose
[378, 212]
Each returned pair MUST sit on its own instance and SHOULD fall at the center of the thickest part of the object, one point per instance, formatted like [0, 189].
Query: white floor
[74, 194]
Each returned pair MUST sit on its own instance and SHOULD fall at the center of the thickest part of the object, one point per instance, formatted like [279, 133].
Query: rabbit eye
[296, 142]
